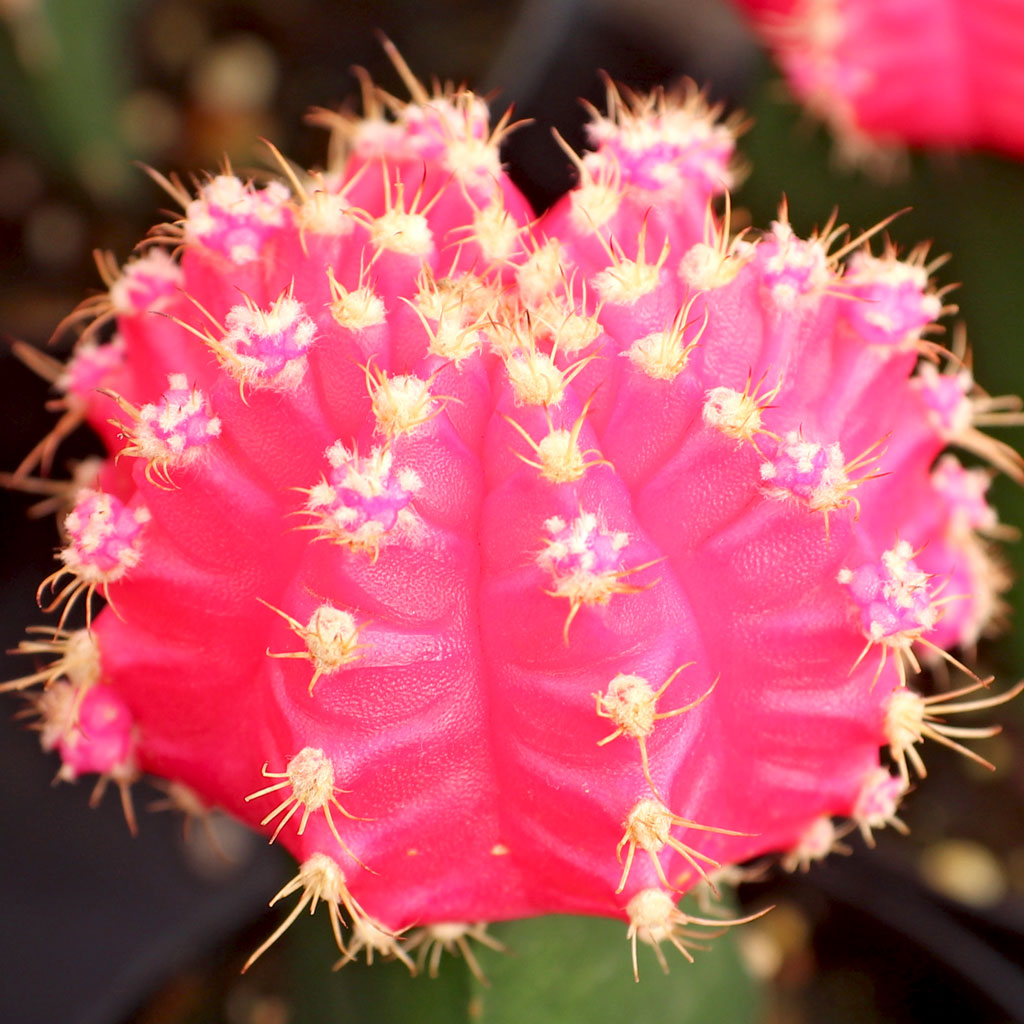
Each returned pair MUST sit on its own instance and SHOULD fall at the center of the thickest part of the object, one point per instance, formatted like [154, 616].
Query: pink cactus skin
[469, 555]
[946, 73]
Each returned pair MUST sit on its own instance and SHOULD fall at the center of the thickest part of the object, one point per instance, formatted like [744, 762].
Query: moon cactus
[502, 565]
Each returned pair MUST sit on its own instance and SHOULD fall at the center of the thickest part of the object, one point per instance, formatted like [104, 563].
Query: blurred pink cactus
[471, 555]
[894, 72]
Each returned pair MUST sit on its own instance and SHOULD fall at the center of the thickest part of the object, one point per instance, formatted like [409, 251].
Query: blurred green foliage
[557, 970]
[64, 73]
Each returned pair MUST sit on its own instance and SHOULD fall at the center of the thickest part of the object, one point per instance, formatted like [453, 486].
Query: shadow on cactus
[501, 565]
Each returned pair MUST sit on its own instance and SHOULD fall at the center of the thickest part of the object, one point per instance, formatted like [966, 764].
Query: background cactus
[745, 472]
[959, 85]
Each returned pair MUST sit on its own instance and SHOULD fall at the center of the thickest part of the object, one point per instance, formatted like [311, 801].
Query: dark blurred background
[100, 928]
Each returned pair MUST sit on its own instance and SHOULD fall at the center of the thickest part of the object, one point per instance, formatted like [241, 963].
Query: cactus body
[499, 566]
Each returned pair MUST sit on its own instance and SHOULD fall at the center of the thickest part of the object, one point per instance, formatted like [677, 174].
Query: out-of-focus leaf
[65, 69]
[574, 970]
[558, 970]
[381, 993]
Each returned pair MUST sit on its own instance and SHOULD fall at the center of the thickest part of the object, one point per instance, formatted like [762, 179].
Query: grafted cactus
[500, 565]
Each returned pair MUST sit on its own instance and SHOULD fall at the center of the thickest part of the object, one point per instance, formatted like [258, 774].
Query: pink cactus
[502, 566]
[880, 73]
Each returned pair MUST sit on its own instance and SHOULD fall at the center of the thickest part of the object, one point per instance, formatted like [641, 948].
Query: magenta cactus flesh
[502, 566]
